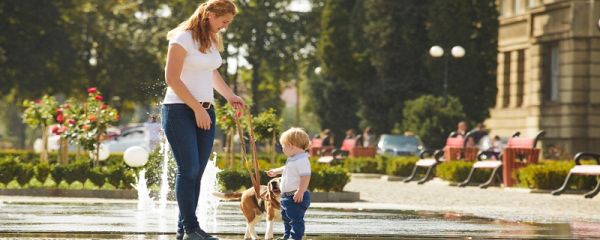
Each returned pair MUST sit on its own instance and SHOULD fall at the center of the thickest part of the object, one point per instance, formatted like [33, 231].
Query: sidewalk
[511, 204]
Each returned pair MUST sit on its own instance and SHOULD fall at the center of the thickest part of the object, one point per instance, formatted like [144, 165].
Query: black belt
[206, 105]
[288, 194]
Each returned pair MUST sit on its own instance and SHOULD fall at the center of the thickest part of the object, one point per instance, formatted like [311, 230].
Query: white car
[135, 136]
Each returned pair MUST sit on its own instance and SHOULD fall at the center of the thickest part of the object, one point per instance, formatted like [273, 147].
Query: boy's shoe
[283, 238]
[198, 234]
[179, 235]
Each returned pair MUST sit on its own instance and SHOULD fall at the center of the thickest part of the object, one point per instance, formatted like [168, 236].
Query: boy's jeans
[293, 216]
[191, 148]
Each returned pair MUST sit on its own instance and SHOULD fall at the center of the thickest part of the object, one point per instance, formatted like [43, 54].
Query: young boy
[295, 177]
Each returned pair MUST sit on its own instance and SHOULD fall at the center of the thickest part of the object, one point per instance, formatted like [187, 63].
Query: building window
[532, 3]
[506, 81]
[505, 8]
[551, 72]
[518, 7]
[520, 77]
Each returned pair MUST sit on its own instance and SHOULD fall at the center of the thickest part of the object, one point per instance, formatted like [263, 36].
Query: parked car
[134, 136]
[398, 145]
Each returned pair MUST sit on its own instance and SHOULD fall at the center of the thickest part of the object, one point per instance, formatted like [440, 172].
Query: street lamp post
[437, 52]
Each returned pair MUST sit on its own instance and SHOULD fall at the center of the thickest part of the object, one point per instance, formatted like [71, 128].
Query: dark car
[398, 145]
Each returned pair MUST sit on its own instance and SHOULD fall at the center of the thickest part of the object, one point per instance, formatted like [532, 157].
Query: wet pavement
[389, 210]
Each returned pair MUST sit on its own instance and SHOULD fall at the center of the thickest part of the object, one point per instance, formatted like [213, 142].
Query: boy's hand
[298, 197]
[271, 173]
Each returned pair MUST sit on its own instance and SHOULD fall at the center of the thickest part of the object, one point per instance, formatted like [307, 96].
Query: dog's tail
[228, 195]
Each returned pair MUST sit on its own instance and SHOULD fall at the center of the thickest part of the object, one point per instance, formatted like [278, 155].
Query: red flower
[71, 121]
[99, 98]
[60, 118]
[85, 127]
[103, 107]
[55, 129]
[92, 90]
[92, 118]
[59, 111]
[117, 117]
[66, 106]
[238, 113]
[38, 101]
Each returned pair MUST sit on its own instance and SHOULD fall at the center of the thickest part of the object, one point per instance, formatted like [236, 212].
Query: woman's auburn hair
[199, 25]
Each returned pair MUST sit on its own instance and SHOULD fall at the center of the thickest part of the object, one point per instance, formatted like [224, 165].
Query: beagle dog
[254, 207]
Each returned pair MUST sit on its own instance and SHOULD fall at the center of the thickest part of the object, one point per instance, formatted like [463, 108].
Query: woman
[188, 112]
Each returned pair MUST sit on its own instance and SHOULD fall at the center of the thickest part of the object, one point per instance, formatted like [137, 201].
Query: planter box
[119, 194]
[335, 196]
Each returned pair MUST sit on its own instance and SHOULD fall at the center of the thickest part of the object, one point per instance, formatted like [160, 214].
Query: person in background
[327, 137]
[153, 130]
[461, 129]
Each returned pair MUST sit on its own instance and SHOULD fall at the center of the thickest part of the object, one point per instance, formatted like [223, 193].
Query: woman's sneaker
[199, 234]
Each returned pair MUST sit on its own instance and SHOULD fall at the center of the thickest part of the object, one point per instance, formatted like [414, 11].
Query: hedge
[457, 171]
[550, 175]
[325, 179]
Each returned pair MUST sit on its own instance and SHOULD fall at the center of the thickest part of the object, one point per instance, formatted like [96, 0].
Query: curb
[117, 194]
[335, 196]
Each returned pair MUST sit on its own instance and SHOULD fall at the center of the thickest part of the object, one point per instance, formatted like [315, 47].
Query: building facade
[548, 73]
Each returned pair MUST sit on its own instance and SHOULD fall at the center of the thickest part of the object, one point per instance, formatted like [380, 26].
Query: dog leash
[254, 177]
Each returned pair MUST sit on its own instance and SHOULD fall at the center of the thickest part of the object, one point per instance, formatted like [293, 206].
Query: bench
[317, 149]
[487, 160]
[429, 159]
[585, 170]
[348, 149]
[519, 152]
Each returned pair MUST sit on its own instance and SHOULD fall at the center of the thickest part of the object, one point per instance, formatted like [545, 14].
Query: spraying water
[145, 202]
[164, 179]
[207, 203]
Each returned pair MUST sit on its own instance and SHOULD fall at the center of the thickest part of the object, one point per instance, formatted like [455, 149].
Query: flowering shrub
[83, 124]
[43, 113]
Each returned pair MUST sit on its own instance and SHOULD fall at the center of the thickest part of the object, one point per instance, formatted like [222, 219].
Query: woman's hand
[237, 102]
[202, 119]
[298, 197]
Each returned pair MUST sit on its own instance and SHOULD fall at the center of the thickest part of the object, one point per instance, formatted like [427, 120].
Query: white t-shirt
[197, 71]
[295, 167]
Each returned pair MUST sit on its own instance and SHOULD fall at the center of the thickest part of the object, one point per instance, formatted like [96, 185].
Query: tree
[474, 26]
[398, 44]
[333, 92]
[268, 36]
[432, 119]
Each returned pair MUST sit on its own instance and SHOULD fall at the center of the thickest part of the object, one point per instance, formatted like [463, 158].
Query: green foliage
[115, 174]
[77, 171]
[42, 170]
[457, 171]
[96, 175]
[432, 119]
[332, 179]
[334, 90]
[24, 172]
[474, 26]
[8, 170]
[41, 112]
[266, 125]
[551, 175]
[400, 166]
[58, 173]
[325, 179]
[364, 165]
[397, 35]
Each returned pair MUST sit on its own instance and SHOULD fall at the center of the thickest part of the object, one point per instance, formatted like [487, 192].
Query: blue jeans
[292, 215]
[191, 148]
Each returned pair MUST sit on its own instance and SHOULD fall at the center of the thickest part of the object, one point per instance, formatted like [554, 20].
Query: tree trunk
[273, 149]
[64, 151]
[44, 152]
